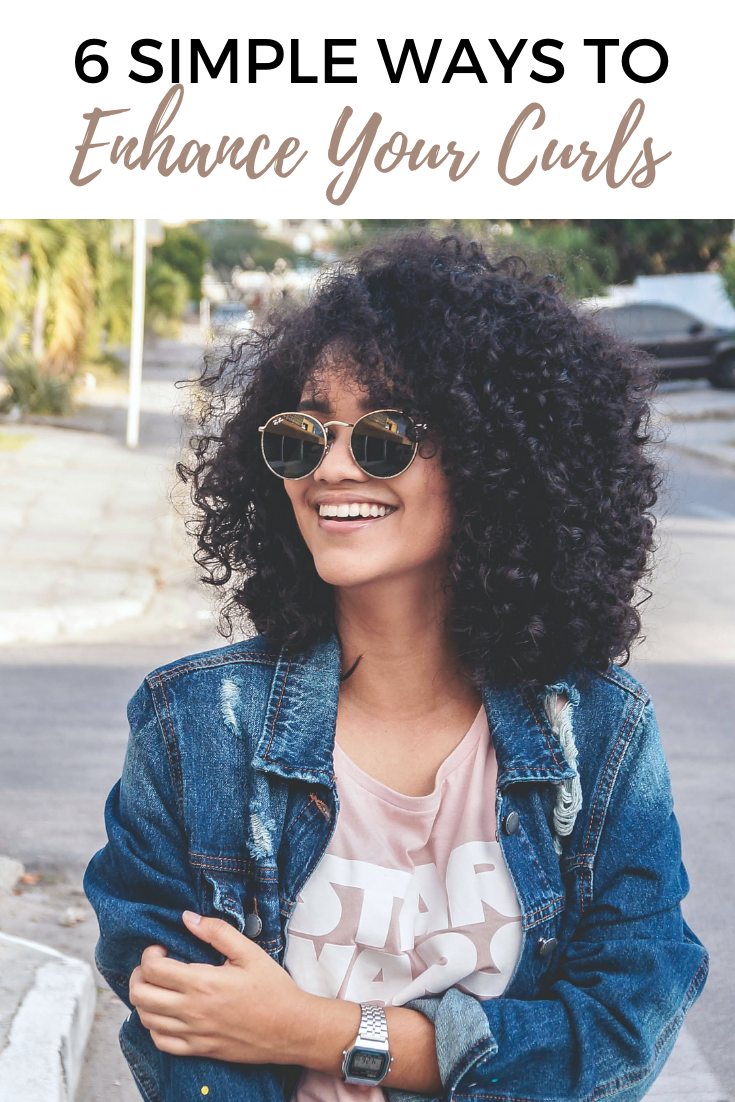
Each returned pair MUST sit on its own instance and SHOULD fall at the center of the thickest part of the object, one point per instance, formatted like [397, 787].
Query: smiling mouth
[355, 511]
[349, 518]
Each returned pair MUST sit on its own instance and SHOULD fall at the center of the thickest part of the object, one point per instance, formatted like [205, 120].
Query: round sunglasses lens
[384, 443]
[293, 444]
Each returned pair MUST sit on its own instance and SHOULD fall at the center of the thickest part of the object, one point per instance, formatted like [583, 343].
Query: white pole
[204, 318]
[136, 333]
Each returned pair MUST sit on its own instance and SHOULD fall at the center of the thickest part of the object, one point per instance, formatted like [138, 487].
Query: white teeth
[354, 509]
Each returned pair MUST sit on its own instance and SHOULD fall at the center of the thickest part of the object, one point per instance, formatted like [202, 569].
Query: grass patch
[14, 441]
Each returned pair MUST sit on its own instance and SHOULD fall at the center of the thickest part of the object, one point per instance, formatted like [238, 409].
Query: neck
[409, 663]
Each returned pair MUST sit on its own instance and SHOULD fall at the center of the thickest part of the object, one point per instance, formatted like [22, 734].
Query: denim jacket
[227, 803]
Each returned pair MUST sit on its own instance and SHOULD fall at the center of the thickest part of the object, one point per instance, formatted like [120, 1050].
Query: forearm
[333, 1028]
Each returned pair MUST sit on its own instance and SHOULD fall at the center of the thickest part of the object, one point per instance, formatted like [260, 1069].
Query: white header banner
[408, 110]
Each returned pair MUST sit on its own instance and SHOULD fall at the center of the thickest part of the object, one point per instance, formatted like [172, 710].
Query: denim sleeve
[138, 885]
[609, 1017]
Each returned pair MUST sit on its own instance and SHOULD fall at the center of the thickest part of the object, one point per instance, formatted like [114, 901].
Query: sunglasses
[383, 443]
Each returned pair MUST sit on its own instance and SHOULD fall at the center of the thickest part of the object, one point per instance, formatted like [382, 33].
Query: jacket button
[253, 925]
[511, 822]
[546, 946]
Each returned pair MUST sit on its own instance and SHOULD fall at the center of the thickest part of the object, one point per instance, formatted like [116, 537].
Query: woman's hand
[248, 1010]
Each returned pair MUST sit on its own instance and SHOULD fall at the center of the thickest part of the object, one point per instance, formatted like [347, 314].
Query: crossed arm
[250, 1011]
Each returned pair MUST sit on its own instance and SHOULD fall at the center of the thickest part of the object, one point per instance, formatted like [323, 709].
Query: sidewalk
[699, 420]
[89, 533]
[47, 1004]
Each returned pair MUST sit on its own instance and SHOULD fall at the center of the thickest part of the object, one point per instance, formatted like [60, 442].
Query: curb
[42, 1059]
[43, 624]
[722, 456]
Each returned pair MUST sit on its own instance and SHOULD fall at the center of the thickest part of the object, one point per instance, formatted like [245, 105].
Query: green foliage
[167, 293]
[587, 254]
[728, 273]
[570, 252]
[657, 246]
[64, 290]
[167, 296]
[117, 312]
[34, 389]
[56, 270]
[185, 251]
[239, 243]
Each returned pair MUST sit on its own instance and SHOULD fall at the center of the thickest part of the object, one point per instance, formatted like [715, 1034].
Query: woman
[416, 836]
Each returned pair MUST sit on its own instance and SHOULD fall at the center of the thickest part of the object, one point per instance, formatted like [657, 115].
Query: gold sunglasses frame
[328, 443]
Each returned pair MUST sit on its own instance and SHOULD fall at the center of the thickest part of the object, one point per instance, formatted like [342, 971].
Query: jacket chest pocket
[248, 901]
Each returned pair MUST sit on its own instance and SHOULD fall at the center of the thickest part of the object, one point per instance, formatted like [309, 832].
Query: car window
[640, 321]
[667, 321]
[626, 321]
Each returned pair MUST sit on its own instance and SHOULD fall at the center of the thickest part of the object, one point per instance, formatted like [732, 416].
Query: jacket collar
[526, 748]
[297, 739]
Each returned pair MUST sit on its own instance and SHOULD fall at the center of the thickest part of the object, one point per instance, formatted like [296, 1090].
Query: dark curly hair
[543, 418]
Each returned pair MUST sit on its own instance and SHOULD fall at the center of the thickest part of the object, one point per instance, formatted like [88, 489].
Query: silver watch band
[373, 1025]
[368, 1061]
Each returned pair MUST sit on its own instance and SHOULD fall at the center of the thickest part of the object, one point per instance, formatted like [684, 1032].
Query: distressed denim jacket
[227, 803]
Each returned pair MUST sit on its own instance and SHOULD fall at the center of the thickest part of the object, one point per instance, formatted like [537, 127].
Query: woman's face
[414, 535]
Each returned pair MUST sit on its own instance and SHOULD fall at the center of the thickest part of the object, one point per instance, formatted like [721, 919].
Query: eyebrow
[315, 404]
[321, 406]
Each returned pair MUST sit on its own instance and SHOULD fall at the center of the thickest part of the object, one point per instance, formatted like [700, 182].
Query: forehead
[338, 383]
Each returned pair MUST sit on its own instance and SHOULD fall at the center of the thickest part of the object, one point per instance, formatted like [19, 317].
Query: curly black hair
[544, 422]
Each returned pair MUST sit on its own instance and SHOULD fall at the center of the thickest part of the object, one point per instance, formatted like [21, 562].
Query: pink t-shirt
[412, 897]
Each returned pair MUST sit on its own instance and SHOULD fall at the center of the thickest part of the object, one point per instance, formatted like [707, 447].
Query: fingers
[155, 1000]
[162, 1023]
[176, 1046]
[154, 951]
[157, 968]
[221, 936]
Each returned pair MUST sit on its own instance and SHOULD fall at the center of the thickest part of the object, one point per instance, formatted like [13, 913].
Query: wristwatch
[368, 1061]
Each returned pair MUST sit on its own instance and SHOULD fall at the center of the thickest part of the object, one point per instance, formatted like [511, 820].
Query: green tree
[645, 246]
[185, 251]
[567, 249]
[167, 296]
[587, 254]
[240, 243]
[55, 275]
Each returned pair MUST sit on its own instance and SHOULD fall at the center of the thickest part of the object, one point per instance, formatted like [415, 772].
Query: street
[63, 733]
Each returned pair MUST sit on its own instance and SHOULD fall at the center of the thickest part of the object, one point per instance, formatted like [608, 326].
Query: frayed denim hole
[569, 792]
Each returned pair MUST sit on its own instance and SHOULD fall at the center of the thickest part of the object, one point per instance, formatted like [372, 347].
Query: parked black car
[685, 346]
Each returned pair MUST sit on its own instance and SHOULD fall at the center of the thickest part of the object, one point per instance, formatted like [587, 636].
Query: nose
[338, 464]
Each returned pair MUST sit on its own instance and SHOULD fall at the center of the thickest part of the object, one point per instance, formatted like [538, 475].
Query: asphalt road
[63, 734]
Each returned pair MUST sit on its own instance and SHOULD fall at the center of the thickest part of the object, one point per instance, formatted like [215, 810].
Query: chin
[343, 574]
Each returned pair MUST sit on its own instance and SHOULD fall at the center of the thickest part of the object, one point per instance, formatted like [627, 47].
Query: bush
[32, 389]
[185, 251]
[167, 296]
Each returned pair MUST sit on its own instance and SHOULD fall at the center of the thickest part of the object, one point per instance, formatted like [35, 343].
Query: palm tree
[55, 276]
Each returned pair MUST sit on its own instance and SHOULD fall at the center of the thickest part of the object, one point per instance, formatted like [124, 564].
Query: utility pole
[137, 331]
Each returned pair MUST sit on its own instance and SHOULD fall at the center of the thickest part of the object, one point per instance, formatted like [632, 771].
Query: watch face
[368, 1064]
